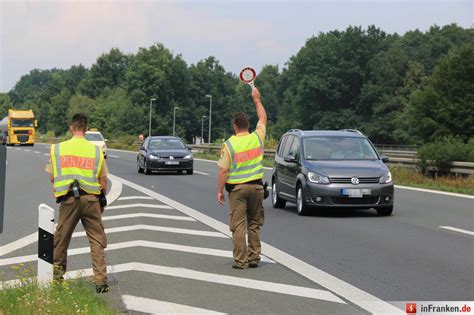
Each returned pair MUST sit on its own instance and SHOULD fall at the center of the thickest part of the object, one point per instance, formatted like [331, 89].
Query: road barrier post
[45, 243]
[3, 167]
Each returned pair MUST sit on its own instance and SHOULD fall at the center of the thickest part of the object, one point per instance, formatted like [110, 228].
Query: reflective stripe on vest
[76, 159]
[246, 154]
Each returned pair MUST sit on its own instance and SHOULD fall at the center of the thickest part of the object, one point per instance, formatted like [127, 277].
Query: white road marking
[114, 156]
[435, 192]
[27, 150]
[138, 205]
[150, 306]
[46, 154]
[457, 230]
[147, 215]
[37, 152]
[135, 197]
[18, 149]
[22, 242]
[115, 191]
[215, 278]
[202, 173]
[207, 277]
[134, 244]
[357, 296]
[156, 228]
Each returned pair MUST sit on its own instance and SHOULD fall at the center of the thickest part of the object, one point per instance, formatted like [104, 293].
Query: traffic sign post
[3, 167]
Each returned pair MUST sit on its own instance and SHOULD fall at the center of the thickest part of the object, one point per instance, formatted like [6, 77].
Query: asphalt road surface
[169, 247]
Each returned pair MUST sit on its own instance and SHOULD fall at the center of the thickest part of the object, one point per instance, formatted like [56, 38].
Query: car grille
[347, 180]
[22, 138]
[22, 132]
[355, 201]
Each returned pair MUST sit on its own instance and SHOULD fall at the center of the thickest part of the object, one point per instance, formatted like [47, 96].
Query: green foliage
[408, 89]
[438, 155]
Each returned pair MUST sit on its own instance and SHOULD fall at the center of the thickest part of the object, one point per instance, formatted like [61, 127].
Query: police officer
[79, 174]
[241, 172]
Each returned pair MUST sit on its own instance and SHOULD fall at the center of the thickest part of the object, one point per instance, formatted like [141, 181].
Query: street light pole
[174, 119]
[210, 117]
[202, 128]
[149, 126]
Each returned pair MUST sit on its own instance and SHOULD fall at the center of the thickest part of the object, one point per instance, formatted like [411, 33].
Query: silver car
[324, 169]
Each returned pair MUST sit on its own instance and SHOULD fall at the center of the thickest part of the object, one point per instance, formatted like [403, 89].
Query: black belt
[230, 187]
[70, 194]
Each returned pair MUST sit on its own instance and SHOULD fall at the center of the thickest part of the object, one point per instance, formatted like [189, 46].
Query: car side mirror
[384, 158]
[290, 159]
[142, 148]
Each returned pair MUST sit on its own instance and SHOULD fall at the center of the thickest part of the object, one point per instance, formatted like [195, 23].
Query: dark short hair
[79, 122]
[241, 120]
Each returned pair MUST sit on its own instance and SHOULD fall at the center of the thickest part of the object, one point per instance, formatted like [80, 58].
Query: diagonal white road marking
[457, 230]
[135, 197]
[138, 205]
[147, 215]
[150, 306]
[134, 244]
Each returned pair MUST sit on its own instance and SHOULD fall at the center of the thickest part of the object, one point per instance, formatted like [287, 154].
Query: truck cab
[18, 127]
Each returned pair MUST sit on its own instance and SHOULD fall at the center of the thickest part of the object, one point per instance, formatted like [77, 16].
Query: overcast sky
[58, 34]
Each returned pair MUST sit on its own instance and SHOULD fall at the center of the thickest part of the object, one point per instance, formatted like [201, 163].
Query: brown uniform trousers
[86, 209]
[246, 208]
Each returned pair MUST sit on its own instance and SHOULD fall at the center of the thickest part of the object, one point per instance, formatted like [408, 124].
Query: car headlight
[387, 178]
[188, 157]
[317, 179]
[153, 157]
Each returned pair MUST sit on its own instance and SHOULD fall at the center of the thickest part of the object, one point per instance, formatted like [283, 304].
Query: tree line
[409, 89]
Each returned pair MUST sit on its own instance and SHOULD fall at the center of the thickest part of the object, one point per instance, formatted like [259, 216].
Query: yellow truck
[18, 127]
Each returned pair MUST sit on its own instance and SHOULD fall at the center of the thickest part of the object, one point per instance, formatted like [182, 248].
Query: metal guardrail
[405, 158]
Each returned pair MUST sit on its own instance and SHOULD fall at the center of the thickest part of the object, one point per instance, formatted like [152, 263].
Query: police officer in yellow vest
[241, 172]
[79, 174]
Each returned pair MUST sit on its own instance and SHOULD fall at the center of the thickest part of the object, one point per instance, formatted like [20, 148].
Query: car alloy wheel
[301, 206]
[277, 202]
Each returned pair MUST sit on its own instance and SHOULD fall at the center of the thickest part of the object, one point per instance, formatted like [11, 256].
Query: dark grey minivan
[317, 169]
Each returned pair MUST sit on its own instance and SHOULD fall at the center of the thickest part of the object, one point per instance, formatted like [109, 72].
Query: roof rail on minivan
[294, 130]
[352, 130]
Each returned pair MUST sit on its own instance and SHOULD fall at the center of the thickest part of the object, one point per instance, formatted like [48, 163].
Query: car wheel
[190, 172]
[385, 211]
[140, 170]
[147, 169]
[277, 202]
[301, 205]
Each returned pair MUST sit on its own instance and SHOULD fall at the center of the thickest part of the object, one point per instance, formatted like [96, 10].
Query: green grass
[67, 297]
[404, 177]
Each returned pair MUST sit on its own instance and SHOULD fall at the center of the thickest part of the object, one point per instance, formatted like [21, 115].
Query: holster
[102, 199]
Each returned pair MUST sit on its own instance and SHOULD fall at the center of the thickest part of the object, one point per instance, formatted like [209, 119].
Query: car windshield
[23, 123]
[338, 148]
[94, 137]
[166, 144]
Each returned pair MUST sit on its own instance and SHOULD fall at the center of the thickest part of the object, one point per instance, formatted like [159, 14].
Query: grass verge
[405, 177]
[68, 297]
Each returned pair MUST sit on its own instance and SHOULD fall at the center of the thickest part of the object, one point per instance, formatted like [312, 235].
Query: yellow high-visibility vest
[246, 154]
[76, 159]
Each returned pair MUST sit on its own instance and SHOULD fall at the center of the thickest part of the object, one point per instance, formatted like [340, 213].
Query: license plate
[355, 192]
[172, 163]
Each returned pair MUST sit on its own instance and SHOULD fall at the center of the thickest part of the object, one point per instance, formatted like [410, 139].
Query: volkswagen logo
[172, 158]
[355, 181]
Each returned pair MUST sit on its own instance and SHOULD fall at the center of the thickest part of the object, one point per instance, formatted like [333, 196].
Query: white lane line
[134, 244]
[46, 154]
[435, 192]
[147, 215]
[18, 149]
[457, 230]
[150, 306]
[202, 173]
[135, 197]
[37, 152]
[115, 191]
[156, 228]
[27, 150]
[138, 205]
[113, 156]
[355, 295]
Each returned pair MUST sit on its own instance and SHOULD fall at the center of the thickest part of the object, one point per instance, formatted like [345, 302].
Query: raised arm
[261, 113]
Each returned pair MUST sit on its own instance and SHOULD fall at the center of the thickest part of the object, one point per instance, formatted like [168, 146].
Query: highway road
[342, 262]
